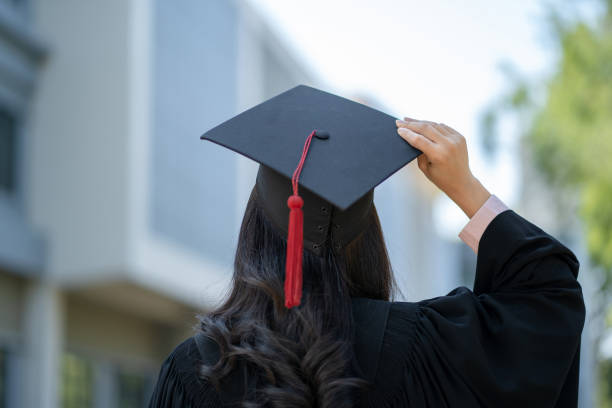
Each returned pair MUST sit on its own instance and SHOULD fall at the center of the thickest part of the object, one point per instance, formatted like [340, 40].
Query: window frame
[13, 190]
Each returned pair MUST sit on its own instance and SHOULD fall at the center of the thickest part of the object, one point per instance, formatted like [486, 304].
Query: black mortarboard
[346, 150]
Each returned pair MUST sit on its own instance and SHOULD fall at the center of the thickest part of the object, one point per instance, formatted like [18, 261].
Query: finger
[424, 128]
[445, 129]
[442, 128]
[423, 162]
[407, 119]
[416, 140]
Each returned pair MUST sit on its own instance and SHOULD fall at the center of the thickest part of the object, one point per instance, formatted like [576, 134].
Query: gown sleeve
[178, 385]
[511, 342]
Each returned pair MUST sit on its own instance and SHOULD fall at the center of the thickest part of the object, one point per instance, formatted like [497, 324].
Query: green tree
[572, 134]
[569, 130]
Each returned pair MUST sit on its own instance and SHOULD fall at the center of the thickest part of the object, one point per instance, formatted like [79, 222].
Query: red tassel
[295, 237]
[293, 272]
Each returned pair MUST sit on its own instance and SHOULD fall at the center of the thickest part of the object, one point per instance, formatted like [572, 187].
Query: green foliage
[570, 131]
[571, 135]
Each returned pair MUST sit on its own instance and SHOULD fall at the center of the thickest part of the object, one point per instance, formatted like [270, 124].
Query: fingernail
[399, 122]
[407, 118]
[406, 134]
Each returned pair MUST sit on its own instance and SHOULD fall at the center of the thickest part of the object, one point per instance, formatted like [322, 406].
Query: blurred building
[117, 223]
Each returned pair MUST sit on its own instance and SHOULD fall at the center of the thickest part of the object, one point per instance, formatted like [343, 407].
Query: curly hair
[302, 355]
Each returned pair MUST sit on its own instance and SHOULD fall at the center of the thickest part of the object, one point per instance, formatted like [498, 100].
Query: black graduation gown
[511, 342]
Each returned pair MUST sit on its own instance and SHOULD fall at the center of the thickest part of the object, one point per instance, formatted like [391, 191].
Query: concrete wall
[78, 160]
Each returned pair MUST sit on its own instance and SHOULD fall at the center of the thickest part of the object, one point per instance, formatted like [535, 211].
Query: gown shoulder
[178, 383]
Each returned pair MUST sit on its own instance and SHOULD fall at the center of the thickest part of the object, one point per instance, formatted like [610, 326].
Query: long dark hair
[302, 354]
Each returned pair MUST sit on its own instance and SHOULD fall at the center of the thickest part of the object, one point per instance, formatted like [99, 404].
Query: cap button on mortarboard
[321, 134]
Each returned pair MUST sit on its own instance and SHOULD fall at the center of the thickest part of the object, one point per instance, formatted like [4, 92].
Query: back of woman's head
[302, 356]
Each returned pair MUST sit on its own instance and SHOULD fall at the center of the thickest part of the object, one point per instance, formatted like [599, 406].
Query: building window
[8, 151]
[77, 382]
[133, 390]
[3, 378]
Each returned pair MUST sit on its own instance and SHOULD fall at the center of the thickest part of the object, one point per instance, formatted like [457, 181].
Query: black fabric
[179, 385]
[363, 148]
[370, 322]
[512, 342]
[321, 218]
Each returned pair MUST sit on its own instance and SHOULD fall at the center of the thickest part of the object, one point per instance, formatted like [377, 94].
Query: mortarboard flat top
[363, 148]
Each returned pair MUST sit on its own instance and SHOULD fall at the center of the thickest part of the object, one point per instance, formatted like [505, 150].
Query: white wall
[78, 157]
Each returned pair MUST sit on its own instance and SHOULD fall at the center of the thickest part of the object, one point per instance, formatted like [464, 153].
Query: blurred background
[118, 225]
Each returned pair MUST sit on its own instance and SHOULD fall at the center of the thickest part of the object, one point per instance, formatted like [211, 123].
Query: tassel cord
[295, 238]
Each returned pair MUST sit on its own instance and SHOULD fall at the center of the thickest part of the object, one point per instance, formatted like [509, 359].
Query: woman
[511, 342]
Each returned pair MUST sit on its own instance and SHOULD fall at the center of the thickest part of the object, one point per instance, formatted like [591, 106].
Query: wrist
[470, 196]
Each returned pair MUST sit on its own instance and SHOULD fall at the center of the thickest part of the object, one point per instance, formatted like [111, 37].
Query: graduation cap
[336, 149]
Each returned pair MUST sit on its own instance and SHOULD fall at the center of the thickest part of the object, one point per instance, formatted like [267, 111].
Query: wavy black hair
[302, 355]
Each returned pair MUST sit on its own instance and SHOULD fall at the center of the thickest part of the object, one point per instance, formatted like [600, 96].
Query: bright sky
[435, 60]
